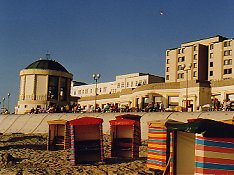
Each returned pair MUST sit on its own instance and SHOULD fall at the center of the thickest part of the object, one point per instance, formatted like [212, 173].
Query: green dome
[47, 65]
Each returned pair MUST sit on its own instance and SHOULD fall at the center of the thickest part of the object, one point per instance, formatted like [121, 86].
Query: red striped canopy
[86, 121]
[122, 122]
[129, 116]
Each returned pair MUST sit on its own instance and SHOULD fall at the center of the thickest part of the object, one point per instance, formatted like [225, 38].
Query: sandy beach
[22, 154]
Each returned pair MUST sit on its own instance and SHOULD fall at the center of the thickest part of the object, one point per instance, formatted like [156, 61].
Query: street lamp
[8, 101]
[3, 106]
[96, 77]
[186, 69]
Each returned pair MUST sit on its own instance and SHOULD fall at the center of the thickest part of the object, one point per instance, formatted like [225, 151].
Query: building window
[211, 64]
[100, 90]
[74, 92]
[194, 65]
[91, 91]
[79, 91]
[179, 50]
[86, 91]
[227, 43]
[168, 69]
[211, 46]
[227, 71]
[195, 48]
[227, 52]
[122, 85]
[63, 89]
[53, 87]
[211, 73]
[127, 84]
[168, 61]
[136, 83]
[182, 50]
[211, 55]
[180, 76]
[195, 57]
[180, 59]
[180, 67]
[168, 52]
[83, 91]
[118, 85]
[167, 77]
[228, 62]
[132, 84]
[195, 74]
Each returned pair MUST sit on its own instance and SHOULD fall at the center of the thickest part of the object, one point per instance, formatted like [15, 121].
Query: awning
[122, 122]
[129, 116]
[162, 123]
[57, 122]
[206, 127]
[86, 121]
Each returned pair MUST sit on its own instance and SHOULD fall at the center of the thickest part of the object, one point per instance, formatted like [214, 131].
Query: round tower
[43, 83]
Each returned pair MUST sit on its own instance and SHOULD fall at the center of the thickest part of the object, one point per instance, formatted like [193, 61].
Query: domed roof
[47, 65]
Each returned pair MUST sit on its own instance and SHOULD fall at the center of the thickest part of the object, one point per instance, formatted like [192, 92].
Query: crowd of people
[215, 105]
[76, 108]
[54, 109]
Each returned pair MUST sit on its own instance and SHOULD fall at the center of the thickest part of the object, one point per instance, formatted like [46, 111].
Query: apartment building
[197, 60]
[195, 72]
[122, 82]
[220, 60]
[89, 89]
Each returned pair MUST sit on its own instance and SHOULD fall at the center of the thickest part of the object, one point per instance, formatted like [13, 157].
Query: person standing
[161, 107]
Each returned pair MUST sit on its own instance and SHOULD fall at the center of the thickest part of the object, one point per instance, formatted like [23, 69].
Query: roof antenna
[48, 55]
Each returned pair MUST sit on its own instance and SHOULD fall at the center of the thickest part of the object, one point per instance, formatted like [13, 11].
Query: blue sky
[110, 37]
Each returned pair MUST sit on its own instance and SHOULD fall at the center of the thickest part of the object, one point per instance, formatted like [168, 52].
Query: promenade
[37, 123]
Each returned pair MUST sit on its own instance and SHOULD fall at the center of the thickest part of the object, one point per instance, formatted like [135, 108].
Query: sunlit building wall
[43, 83]
[121, 82]
[197, 58]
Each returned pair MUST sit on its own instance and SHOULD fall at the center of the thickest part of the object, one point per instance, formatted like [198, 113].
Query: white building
[43, 83]
[121, 82]
[195, 73]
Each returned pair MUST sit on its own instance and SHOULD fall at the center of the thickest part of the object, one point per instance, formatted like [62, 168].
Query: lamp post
[3, 106]
[8, 102]
[96, 77]
[186, 69]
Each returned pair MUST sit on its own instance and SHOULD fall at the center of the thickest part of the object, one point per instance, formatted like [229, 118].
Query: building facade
[43, 83]
[197, 60]
[195, 73]
[122, 82]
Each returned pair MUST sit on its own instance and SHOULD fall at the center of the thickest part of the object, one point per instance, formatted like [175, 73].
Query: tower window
[227, 52]
[211, 46]
[168, 53]
[227, 71]
[211, 64]
[227, 62]
[53, 88]
[227, 43]
[181, 59]
[167, 77]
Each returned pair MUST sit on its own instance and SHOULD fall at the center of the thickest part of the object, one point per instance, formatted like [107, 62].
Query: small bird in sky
[161, 12]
